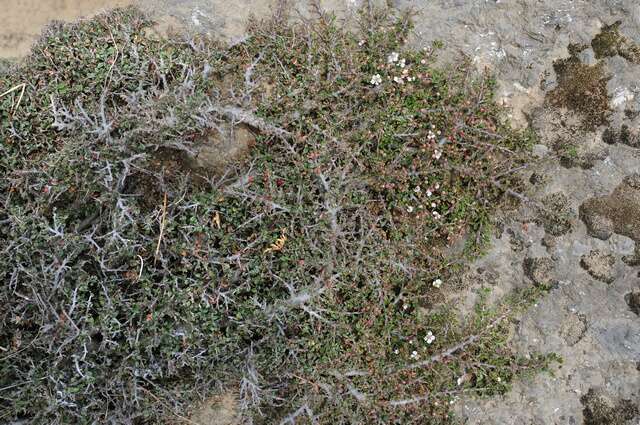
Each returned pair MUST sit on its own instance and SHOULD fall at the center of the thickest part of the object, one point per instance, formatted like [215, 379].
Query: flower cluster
[376, 80]
[393, 59]
[418, 193]
[433, 133]
[429, 338]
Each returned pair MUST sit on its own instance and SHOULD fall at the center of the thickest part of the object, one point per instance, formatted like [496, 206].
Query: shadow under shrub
[303, 279]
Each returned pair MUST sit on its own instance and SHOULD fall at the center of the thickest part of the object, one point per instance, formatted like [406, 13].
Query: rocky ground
[569, 69]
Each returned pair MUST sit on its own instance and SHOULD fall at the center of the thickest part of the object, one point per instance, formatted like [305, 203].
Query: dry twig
[162, 224]
[22, 87]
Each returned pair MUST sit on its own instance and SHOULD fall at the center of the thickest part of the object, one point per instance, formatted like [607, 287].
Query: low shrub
[307, 277]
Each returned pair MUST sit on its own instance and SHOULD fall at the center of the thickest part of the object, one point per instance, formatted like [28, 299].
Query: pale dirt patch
[221, 410]
[222, 148]
[23, 20]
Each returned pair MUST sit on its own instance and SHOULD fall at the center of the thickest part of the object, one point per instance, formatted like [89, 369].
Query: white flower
[409, 209]
[423, 61]
[417, 189]
[431, 135]
[429, 193]
[433, 205]
[460, 380]
[376, 79]
[437, 283]
[393, 57]
[436, 215]
[398, 80]
[396, 351]
[437, 186]
[429, 338]
[437, 154]
[361, 43]
[405, 306]
[415, 355]
[402, 63]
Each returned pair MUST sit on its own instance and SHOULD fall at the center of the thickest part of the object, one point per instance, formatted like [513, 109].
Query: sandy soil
[23, 20]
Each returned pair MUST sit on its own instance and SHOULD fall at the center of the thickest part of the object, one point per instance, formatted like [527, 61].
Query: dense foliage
[306, 279]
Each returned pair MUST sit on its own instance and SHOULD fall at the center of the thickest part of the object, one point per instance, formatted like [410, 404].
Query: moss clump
[609, 42]
[633, 301]
[598, 411]
[626, 136]
[556, 217]
[614, 213]
[581, 88]
[134, 285]
[540, 271]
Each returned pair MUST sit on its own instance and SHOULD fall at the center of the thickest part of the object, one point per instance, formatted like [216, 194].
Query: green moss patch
[581, 88]
[609, 42]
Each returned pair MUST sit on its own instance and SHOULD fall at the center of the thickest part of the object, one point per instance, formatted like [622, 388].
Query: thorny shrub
[305, 279]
